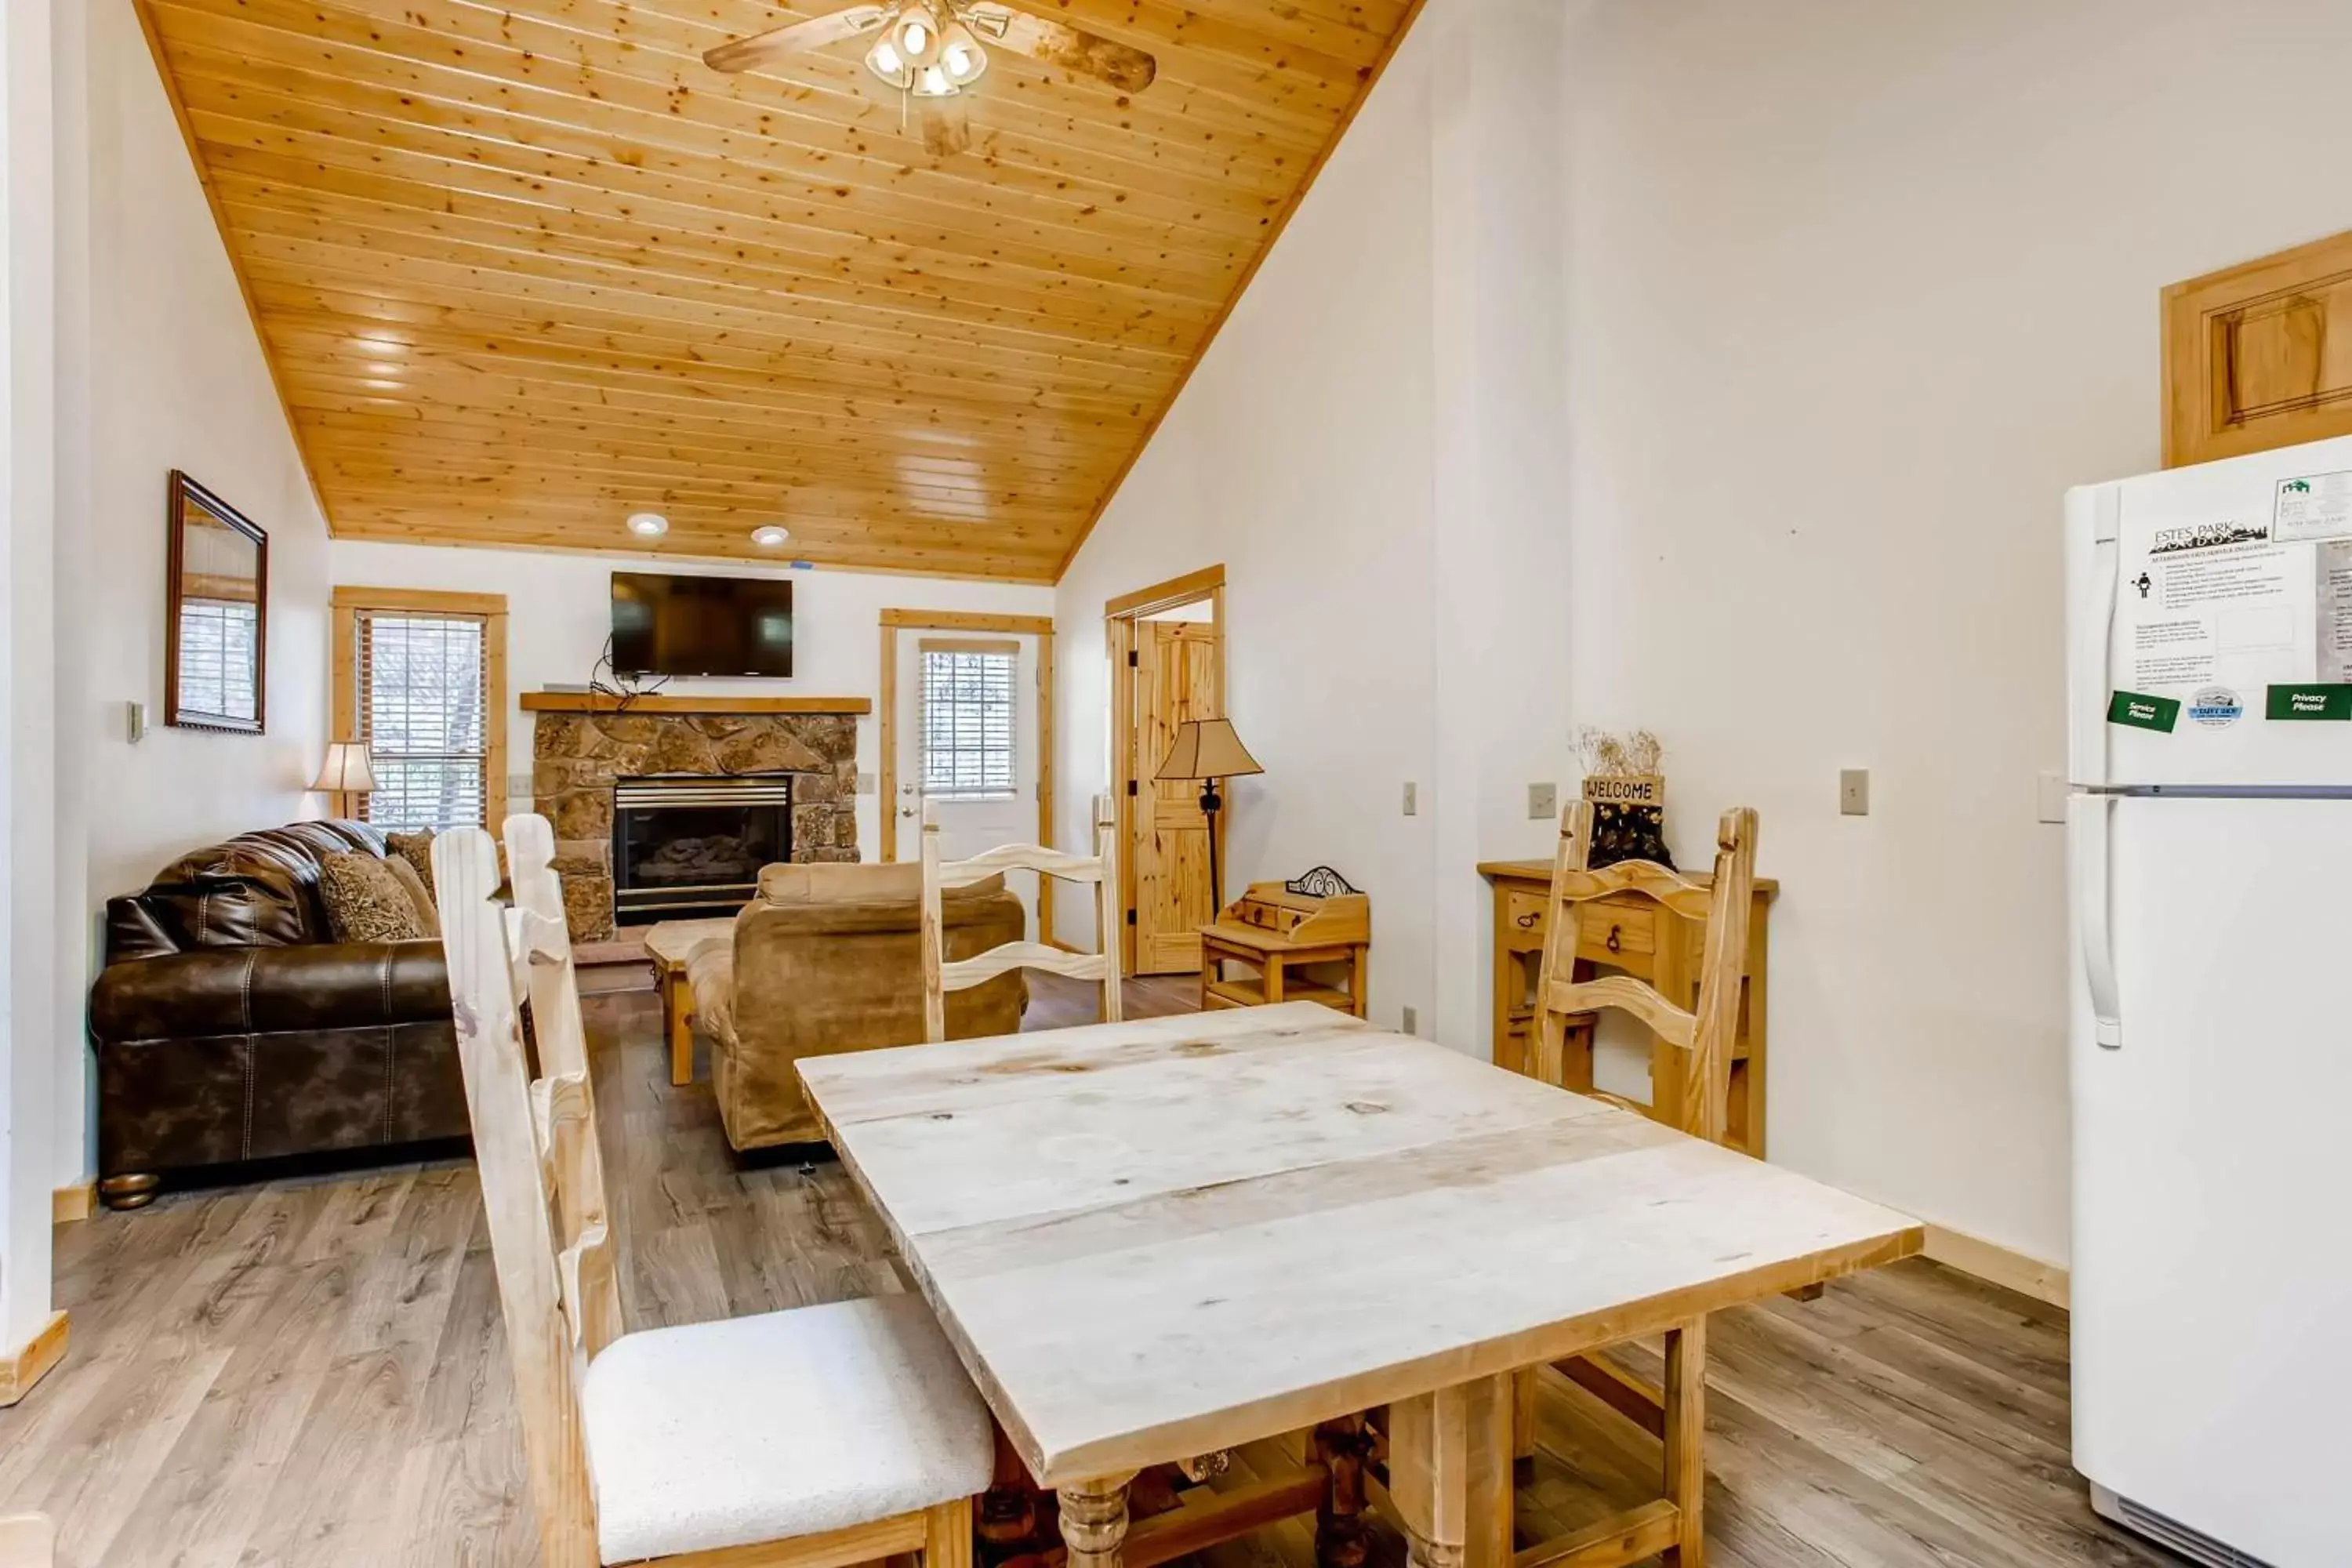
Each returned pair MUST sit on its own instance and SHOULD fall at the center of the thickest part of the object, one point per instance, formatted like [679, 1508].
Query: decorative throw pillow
[366, 901]
[414, 886]
[416, 848]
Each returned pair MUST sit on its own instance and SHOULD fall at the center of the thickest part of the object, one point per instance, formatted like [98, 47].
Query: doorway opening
[1166, 653]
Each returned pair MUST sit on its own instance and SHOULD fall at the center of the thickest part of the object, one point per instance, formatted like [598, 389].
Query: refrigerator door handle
[2095, 532]
[2093, 818]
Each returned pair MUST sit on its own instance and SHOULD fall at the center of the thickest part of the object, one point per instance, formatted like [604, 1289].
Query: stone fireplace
[579, 758]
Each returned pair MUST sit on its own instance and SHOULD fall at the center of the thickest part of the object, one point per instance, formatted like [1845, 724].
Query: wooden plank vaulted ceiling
[522, 268]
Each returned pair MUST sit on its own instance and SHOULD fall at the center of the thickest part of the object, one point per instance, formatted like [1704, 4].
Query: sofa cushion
[862, 883]
[416, 848]
[258, 889]
[420, 897]
[366, 902]
[778, 1426]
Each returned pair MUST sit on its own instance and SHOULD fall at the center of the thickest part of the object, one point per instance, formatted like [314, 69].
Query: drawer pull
[1531, 919]
[1615, 944]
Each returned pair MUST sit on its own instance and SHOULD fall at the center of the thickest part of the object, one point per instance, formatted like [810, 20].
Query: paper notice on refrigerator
[2211, 602]
[2332, 591]
[2317, 506]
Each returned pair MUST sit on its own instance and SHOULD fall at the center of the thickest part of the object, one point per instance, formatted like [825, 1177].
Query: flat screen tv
[664, 625]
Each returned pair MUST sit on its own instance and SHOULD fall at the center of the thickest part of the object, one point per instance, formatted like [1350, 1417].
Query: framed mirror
[218, 615]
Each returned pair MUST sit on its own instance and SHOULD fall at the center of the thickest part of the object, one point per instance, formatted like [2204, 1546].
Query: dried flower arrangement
[1628, 817]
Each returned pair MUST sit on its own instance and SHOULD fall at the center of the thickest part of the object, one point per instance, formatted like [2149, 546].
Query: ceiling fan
[930, 50]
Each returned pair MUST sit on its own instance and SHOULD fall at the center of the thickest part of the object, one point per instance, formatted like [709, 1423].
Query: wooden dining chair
[810, 1438]
[1703, 1041]
[1101, 868]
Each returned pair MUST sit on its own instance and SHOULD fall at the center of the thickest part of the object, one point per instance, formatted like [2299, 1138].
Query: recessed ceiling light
[771, 535]
[648, 525]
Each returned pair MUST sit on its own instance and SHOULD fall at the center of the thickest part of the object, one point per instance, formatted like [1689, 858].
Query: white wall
[1300, 458]
[177, 380]
[560, 614]
[1857, 289]
[1740, 371]
[157, 367]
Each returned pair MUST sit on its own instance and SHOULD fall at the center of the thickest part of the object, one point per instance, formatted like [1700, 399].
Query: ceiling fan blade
[1125, 67]
[946, 125]
[766, 49]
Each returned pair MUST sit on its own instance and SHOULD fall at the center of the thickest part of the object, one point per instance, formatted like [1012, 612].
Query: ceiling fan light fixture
[960, 54]
[884, 61]
[917, 37]
[771, 535]
[648, 525]
[932, 81]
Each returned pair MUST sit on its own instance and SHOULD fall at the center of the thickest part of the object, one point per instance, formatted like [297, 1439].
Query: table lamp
[348, 770]
[1208, 750]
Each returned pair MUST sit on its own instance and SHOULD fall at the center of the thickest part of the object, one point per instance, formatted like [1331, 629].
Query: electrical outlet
[1412, 800]
[2050, 797]
[1543, 801]
[1853, 792]
[866, 783]
[1413, 1020]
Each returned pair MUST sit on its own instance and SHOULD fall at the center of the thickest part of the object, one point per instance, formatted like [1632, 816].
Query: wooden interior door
[1175, 671]
[2259, 355]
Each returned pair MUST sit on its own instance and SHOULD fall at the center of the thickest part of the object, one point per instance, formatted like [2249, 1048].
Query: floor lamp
[1208, 750]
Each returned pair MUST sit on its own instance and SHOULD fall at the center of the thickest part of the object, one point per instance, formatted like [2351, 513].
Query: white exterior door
[968, 727]
[2210, 1283]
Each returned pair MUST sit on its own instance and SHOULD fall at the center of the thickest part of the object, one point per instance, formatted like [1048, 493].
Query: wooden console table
[1636, 936]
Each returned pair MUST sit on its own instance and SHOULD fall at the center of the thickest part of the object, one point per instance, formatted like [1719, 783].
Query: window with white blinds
[425, 711]
[219, 640]
[968, 708]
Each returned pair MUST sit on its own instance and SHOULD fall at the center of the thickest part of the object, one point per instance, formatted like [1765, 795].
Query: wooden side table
[1635, 936]
[669, 945]
[1272, 955]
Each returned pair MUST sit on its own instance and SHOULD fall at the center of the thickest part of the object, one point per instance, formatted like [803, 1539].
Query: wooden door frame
[1120, 616]
[1039, 627]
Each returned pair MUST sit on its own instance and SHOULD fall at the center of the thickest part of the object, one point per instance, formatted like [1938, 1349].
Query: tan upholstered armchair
[827, 959]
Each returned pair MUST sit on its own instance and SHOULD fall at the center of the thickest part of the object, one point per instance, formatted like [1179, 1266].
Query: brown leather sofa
[232, 1027]
[829, 959]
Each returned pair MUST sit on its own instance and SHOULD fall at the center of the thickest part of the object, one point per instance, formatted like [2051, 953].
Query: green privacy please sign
[2324, 701]
[2160, 713]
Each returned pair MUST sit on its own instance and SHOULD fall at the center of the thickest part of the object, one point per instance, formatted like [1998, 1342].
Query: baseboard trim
[1999, 1265]
[68, 1205]
[19, 1372]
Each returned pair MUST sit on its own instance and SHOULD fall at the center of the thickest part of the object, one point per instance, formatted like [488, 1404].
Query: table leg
[1450, 1474]
[1272, 972]
[1341, 1448]
[1094, 1521]
[1685, 1439]
[678, 1020]
[1358, 964]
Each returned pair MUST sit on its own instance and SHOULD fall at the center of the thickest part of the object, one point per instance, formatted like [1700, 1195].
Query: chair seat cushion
[777, 1427]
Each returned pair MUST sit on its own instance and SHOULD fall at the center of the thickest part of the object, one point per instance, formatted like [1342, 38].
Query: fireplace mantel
[596, 702]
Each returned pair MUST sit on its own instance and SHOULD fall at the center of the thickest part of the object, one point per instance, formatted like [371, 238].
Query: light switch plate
[2050, 793]
[1543, 801]
[1413, 1020]
[867, 784]
[1853, 792]
[134, 721]
[1411, 799]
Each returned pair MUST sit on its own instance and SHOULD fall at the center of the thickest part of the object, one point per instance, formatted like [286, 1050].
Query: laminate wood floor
[311, 1371]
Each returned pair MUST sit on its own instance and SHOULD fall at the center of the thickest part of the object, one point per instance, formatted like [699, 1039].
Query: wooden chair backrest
[1101, 868]
[535, 1148]
[1705, 1035]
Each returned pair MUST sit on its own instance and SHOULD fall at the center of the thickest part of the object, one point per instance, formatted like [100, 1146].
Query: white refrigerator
[2210, 839]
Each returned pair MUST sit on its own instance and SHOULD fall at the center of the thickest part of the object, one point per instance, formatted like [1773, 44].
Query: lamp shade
[1207, 748]
[349, 770]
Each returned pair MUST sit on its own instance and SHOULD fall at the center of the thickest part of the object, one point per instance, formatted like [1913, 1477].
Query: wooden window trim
[344, 607]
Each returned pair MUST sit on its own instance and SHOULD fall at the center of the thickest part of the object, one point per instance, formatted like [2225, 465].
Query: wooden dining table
[1156, 1240]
